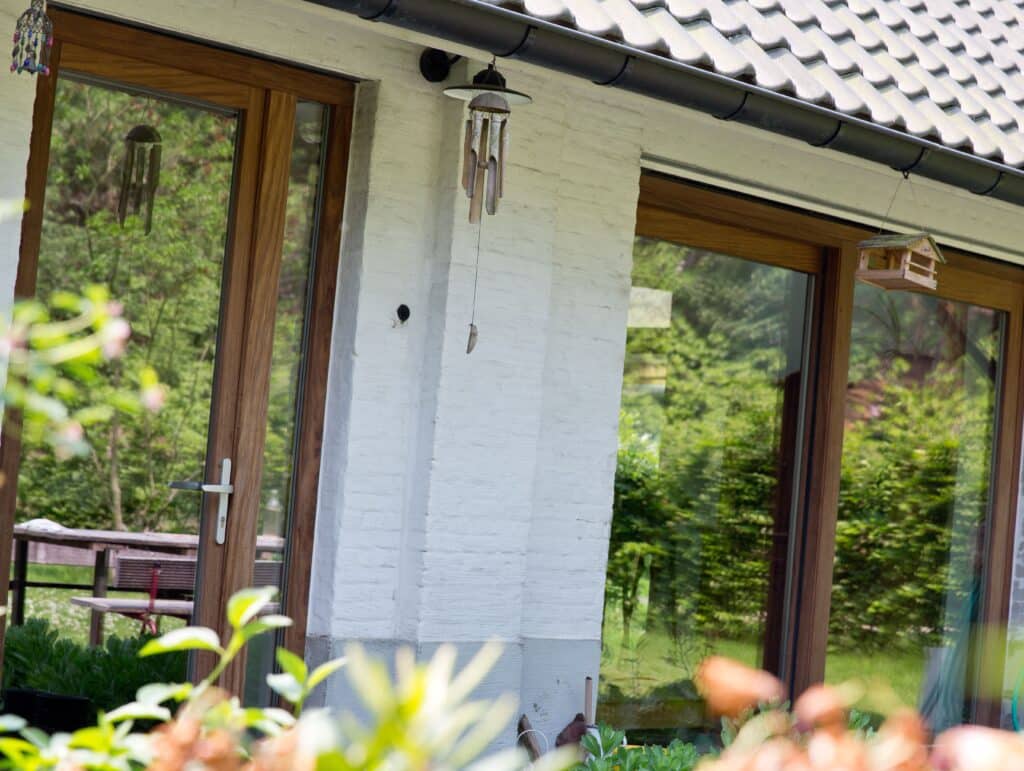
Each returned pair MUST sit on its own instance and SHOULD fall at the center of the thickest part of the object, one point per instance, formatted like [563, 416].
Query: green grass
[653, 661]
[71, 620]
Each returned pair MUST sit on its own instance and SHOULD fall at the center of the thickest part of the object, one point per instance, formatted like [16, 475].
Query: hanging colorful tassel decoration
[33, 39]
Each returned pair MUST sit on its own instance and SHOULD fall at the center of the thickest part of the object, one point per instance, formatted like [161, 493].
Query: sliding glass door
[710, 433]
[917, 468]
[815, 476]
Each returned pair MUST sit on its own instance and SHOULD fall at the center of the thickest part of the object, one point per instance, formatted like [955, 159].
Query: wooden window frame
[697, 215]
[267, 90]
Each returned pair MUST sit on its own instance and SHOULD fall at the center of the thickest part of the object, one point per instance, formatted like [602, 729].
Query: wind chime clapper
[485, 152]
[140, 175]
[33, 39]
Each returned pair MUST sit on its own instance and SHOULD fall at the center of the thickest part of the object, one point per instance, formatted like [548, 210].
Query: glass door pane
[107, 522]
[709, 429]
[914, 496]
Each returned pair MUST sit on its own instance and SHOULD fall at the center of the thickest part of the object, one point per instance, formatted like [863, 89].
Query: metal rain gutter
[511, 34]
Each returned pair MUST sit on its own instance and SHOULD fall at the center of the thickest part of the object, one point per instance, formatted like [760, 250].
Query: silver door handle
[223, 489]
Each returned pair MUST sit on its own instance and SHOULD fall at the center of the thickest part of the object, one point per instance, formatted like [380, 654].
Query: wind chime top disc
[488, 81]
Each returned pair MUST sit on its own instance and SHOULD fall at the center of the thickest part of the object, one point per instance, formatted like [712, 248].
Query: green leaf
[280, 716]
[88, 416]
[158, 693]
[324, 671]
[139, 711]
[37, 737]
[190, 638]
[148, 377]
[18, 749]
[11, 723]
[292, 664]
[286, 686]
[245, 605]
[261, 625]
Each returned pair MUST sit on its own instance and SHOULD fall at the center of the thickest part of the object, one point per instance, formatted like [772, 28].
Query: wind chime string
[471, 343]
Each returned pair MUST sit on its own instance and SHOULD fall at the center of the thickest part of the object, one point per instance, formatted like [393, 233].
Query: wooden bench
[143, 607]
[176, 575]
[169, 581]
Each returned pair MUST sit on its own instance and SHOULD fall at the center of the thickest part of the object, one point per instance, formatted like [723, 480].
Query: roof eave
[512, 34]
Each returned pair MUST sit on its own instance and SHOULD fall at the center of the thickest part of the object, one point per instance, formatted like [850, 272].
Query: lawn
[652, 661]
[72, 620]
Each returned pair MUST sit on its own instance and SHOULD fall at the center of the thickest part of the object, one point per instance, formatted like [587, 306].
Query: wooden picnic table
[102, 542]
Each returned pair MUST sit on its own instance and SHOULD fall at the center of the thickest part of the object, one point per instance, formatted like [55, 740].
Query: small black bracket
[435, 64]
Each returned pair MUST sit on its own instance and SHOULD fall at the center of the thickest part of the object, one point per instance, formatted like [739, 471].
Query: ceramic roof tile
[844, 98]
[590, 16]
[951, 71]
[836, 58]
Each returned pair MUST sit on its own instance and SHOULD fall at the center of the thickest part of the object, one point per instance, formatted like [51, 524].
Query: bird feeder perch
[899, 261]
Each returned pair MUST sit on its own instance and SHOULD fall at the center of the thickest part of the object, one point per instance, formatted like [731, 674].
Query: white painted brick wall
[468, 497]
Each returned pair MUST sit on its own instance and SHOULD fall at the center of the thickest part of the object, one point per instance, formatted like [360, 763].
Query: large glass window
[916, 470]
[709, 429]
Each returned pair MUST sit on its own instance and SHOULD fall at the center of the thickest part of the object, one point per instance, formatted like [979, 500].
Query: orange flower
[820, 707]
[731, 688]
[977, 748]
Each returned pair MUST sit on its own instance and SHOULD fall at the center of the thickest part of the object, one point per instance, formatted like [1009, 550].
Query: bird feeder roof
[915, 242]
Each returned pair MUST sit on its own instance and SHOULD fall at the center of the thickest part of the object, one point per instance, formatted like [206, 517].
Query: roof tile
[946, 70]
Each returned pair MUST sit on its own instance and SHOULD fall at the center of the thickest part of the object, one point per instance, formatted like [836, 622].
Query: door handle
[222, 489]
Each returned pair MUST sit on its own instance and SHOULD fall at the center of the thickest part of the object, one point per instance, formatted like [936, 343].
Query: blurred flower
[977, 748]
[68, 439]
[820, 706]
[731, 688]
[153, 397]
[114, 335]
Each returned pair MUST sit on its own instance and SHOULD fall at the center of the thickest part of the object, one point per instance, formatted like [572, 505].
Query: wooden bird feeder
[899, 261]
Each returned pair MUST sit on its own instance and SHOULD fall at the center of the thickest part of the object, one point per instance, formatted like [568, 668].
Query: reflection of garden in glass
[169, 283]
[293, 289]
[914, 494]
[712, 384]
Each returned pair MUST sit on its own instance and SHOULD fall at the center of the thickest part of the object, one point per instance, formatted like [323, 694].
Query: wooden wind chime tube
[484, 154]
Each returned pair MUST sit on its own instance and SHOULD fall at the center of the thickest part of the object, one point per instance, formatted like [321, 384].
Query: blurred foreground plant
[817, 733]
[422, 720]
[606, 751]
[49, 352]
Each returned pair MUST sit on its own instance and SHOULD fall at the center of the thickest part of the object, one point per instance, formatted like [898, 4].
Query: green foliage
[38, 658]
[606, 752]
[51, 353]
[422, 719]
[295, 682]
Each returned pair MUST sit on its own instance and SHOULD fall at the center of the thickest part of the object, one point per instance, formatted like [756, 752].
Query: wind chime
[140, 175]
[33, 39]
[485, 153]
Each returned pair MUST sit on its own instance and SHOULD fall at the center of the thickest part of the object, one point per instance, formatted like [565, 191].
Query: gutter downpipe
[511, 34]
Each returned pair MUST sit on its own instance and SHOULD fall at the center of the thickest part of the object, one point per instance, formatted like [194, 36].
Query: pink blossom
[115, 335]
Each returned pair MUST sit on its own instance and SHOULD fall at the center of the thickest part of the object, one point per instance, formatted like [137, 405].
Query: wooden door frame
[265, 93]
[678, 210]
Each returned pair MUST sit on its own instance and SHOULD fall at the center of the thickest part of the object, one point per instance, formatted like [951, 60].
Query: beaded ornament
[33, 39]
